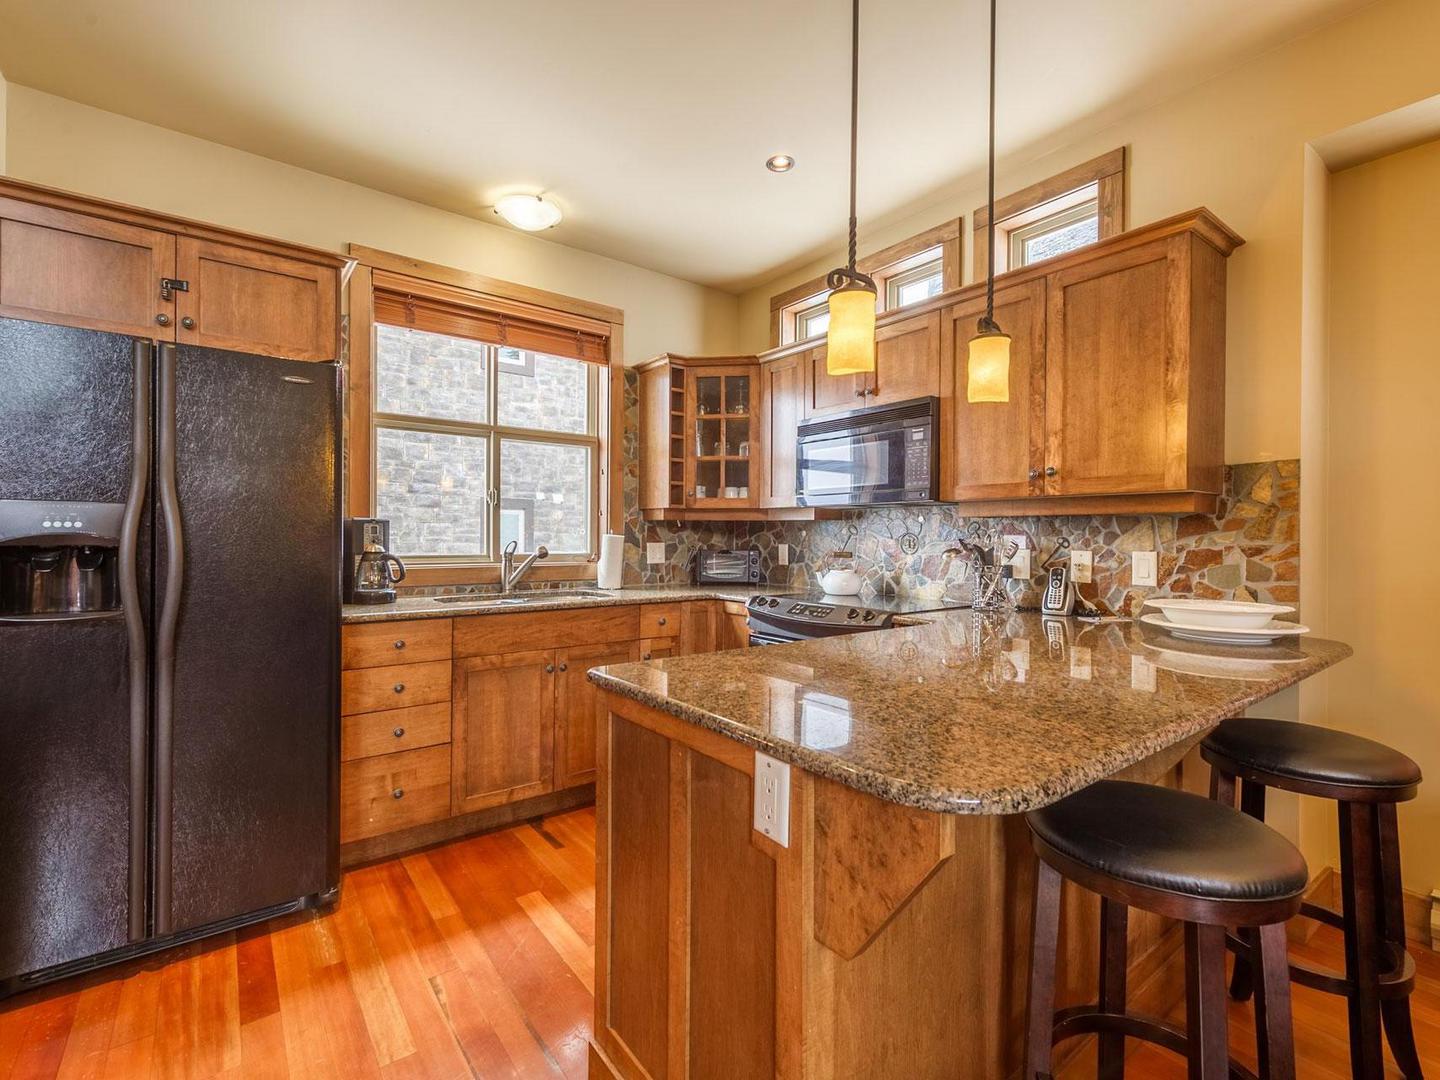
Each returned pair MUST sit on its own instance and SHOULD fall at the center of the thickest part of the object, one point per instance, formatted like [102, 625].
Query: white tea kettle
[839, 577]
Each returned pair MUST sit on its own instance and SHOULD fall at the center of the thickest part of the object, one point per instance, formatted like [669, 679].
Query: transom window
[1055, 233]
[899, 284]
[479, 444]
[918, 283]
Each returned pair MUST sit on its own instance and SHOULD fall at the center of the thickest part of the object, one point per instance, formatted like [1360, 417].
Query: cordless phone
[1059, 596]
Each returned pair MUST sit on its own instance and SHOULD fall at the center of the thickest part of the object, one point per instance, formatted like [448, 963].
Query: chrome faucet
[510, 574]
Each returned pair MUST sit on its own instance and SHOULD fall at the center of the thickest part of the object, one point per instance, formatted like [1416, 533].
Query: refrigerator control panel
[25, 521]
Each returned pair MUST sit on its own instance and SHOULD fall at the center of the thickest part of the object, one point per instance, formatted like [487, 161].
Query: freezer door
[247, 645]
[74, 428]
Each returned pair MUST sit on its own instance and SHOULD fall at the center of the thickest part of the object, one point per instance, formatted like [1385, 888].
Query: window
[1055, 234]
[918, 283]
[813, 321]
[479, 444]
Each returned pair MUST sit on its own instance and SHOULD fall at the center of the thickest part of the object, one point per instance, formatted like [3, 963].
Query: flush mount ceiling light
[989, 374]
[850, 340]
[529, 212]
[779, 163]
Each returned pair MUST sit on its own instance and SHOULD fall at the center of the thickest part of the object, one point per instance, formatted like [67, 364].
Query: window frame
[372, 269]
[1049, 221]
[495, 434]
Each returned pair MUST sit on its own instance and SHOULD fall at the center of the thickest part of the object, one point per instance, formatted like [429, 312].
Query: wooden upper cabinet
[906, 361]
[992, 450]
[57, 266]
[722, 412]
[576, 702]
[826, 393]
[782, 399]
[503, 729]
[1135, 371]
[255, 302]
[662, 427]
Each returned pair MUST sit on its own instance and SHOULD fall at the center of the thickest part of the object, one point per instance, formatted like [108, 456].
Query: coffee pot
[371, 571]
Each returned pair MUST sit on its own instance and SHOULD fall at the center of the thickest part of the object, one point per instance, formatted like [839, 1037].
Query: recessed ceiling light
[529, 212]
[779, 163]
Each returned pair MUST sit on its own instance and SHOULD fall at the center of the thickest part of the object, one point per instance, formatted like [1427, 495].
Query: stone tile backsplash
[1249, 549]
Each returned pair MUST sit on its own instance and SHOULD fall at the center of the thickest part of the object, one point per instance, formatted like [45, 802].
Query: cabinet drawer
[409, 641]
[395, 687]
[370, 734]
[395, 791]
[659, 620]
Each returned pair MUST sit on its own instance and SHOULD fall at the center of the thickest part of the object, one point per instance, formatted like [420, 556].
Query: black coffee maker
[371, 572]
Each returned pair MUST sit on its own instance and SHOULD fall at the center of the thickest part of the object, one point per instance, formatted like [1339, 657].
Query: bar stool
[1185, 857]
[1367, 779]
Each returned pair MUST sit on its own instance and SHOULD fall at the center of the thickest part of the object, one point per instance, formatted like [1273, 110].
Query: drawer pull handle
[400, 643]
[663, 620]
[398, 793]
[399, 687]
[399, 733]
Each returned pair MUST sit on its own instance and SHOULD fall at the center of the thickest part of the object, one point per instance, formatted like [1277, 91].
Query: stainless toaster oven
[725, 566]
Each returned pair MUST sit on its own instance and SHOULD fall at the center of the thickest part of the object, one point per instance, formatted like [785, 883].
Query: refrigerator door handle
[165, 638]
[137, 636]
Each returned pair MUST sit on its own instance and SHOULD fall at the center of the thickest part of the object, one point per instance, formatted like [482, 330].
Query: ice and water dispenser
[59, 560]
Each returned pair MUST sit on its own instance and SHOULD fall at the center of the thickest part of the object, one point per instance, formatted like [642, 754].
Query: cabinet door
[732, 631]
[826, 393]
[76, 270]
[1115, 396]
[662, 456]
[250, 301]
[659, 648]
[721, 407]
[699, 627]
[907, 361]
[782, 396]
[995, 450]
[503, 729]
[577, 700]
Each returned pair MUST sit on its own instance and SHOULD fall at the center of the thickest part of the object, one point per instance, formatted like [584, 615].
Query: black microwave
[884, 454]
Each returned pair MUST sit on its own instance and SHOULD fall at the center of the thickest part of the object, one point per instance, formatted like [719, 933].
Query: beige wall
[1384, 383]
[1235, 144]
[66, 145]
[4, 86]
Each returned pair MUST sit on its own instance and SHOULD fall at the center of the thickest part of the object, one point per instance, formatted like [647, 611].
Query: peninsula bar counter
[890, 938]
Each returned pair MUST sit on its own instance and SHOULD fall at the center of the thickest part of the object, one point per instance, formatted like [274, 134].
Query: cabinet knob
[188, 323]
[663, 620]
[1050, 470]
[860, 392]
[646, 656]
[549, 669]
[564, 667]
[398, 793]
[162, 319]
[399, 733]
[399, 687]
[400, 643]
[1034, 474]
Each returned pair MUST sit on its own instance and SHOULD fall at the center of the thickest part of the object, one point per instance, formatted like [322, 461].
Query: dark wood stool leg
[1114, 922]
[1242, 982]
[1206, 1024]
[1273, 1026]
[1358, 877]
[1040, 1024]
[1222, 786]
[1395, 1011]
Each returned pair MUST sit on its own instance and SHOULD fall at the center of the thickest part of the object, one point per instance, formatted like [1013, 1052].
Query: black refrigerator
[169, 644]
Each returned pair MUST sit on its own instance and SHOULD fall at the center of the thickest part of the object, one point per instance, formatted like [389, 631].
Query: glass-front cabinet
[721, 411]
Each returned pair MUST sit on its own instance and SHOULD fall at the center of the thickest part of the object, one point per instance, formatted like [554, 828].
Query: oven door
[879, 456]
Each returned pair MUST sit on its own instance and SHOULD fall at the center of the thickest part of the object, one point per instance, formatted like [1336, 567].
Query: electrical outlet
[1020, 564]
[772, 798]
[784, 554]
[1082, 565]
[1144, 568]
[654, 553]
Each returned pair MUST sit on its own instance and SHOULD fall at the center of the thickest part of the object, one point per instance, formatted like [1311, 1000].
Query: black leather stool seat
[1308, 753]
[1159, 838]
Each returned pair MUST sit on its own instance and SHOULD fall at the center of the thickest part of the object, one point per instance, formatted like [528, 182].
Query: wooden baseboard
[376, 848]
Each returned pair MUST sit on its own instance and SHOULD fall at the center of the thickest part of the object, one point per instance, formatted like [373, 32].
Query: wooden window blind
[458, 313]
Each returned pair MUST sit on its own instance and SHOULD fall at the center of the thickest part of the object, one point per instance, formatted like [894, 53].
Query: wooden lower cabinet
[732, 630]
[503, 729]
[394, 791]
[659, 648]
[576, 701]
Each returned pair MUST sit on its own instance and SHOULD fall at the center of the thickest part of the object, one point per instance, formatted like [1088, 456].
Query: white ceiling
[648, 120]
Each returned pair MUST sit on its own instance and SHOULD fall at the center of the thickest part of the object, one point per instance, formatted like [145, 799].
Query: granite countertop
[432, 607]
[970, 714]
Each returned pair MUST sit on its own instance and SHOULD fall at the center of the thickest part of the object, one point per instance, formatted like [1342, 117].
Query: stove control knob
[869, 616]
[852, 614]
[774, 601]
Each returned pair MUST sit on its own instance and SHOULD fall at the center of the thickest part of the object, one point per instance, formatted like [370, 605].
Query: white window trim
[1062, 210]
[792, 316]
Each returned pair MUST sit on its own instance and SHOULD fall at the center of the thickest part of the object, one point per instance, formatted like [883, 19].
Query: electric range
[776, 620]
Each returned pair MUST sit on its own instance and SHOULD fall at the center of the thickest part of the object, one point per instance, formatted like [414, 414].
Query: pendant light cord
[989, 323]
[854, 117]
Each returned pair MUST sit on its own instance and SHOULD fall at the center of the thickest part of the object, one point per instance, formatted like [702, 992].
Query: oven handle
[767, 639]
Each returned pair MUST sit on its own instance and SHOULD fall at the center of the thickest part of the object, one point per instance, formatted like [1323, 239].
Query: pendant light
[989, 367]
[850, 339]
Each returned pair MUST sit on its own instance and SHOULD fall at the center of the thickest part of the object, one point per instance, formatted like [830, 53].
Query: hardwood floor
[472, 959]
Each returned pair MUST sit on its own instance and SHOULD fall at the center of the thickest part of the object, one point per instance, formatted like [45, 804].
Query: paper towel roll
[612, 560]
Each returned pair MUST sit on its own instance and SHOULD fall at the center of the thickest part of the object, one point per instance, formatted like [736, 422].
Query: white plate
[1237, 614]
[1215, 635]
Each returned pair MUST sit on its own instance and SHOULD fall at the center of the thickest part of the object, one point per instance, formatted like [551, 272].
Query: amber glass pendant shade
[850, 341]
[989, 368]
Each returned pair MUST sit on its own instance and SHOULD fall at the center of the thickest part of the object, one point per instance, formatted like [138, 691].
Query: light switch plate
[654, 553]
[784, 554]
[1144, 568]
[772, 798]
[1082, 565]
[1020, 564]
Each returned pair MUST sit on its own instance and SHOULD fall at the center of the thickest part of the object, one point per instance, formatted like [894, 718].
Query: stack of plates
[1223, 622]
